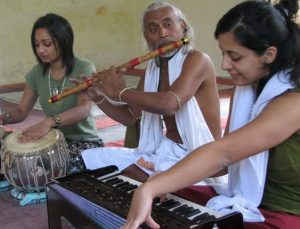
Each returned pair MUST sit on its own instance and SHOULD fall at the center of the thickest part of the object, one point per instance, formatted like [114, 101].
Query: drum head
[12, 143]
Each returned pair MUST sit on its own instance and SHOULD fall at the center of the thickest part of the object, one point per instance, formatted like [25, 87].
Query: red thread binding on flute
[134, 62]
[54, 98]
[176, 44]
[89, 82]
[160, 51]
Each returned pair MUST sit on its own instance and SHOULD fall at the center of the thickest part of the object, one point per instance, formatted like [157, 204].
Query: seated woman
[261, 51]
[52, 43]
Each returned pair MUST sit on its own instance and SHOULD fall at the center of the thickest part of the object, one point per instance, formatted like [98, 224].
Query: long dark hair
[258, 25]
[61, 31]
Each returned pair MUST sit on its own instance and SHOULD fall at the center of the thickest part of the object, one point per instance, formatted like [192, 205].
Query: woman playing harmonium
[261, 52]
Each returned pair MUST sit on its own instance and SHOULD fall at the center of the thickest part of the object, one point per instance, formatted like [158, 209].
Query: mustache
[163, 42]
[160, 44]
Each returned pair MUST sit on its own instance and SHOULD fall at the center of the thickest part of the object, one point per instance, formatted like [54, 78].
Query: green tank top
[282, 188]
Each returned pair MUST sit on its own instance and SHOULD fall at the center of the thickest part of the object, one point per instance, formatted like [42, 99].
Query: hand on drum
[36, 131]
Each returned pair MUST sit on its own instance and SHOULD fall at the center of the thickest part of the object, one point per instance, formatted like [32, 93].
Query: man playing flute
[177, 100]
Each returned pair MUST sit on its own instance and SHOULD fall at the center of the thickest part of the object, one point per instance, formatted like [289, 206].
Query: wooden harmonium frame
[101, 199]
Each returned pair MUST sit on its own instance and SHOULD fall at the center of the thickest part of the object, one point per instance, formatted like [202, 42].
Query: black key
[111, 180]
[114, 181]
[186, 210]
[123, 187]
[129, 188]
[134, 187]
[156, 200]
[180, 209]
[201, 217]
[167, 202]
[122, 184]
[192, 213]
[172, 205]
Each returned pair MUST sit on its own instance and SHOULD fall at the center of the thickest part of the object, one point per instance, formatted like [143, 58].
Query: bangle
[57, 120]
[176, 98]
[6, 117]
[101, 101]
[121, 92]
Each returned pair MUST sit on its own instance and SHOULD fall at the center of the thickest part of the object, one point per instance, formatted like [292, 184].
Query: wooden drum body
[29, 166]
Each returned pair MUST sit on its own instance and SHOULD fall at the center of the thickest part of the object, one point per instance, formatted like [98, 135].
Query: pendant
[54, 91]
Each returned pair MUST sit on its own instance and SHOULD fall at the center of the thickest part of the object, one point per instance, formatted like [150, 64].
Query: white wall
[106, 31]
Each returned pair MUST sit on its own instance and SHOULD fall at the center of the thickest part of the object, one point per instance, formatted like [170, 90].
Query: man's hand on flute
[111, 83]
[93, 93]
[108, 83]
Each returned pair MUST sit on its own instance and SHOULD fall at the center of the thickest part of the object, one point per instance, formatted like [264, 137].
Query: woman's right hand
[140, 210]
[36, 131]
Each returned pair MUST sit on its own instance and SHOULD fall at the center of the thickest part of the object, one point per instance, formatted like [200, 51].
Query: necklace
[55, 91]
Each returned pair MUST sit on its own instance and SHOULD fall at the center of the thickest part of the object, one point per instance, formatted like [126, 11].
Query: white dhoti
[167, 154]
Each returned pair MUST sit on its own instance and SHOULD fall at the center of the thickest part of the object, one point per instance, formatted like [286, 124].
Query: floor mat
[104, 122]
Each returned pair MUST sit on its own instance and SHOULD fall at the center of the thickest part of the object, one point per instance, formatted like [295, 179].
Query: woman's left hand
[140, 210]
[163, 197]
[36, 131]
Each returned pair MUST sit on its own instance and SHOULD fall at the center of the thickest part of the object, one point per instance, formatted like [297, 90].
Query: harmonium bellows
[101, 199]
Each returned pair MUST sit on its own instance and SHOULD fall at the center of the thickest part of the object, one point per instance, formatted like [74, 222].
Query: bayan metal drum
[29, 166]
[2, 136]
[2, 133]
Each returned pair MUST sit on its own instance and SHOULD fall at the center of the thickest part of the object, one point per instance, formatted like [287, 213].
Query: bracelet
[176, 98]
[121, 92]
[57, 120]
[6, 117]
[101, 101]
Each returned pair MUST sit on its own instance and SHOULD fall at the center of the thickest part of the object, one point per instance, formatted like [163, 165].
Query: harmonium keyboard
[101, 199]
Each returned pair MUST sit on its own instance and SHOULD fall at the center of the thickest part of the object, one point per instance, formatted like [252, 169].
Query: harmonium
[101, 199]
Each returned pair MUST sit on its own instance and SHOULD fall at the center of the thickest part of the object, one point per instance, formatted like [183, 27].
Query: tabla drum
[2, 136]
[2, 133]
[29, 166]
